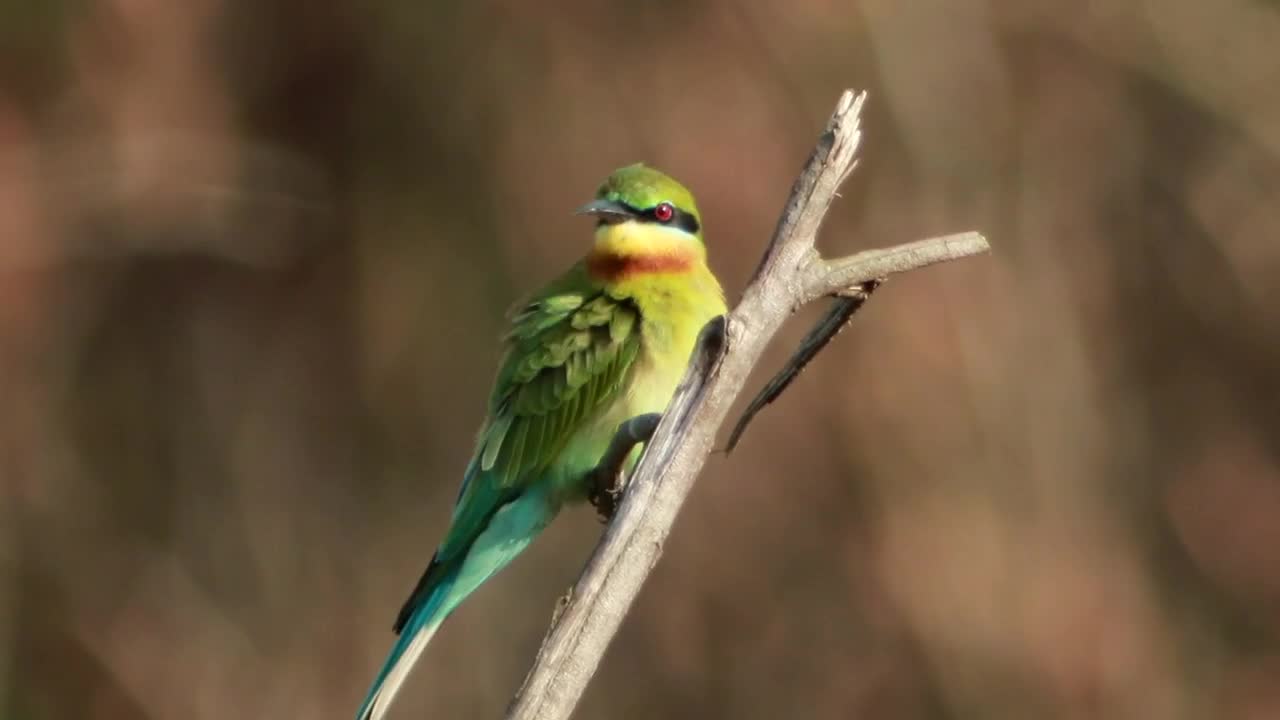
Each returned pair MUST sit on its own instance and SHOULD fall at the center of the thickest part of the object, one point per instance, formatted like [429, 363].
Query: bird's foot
[606, 494]
[608, 481]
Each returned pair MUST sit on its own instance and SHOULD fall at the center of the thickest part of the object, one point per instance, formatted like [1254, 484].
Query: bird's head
[640, 202]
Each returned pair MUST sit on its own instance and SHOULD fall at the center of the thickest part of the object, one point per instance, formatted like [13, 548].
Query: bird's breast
[673, 312]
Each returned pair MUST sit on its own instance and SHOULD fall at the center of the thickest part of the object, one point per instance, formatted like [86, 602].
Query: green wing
[569, 352]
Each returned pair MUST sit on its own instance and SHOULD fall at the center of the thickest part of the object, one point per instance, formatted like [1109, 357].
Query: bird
[606, 341]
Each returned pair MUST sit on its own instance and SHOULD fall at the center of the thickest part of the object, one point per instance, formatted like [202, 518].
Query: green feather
[562, 304]
[535, 447]
[575, 371]
[515, 453]
[621, 324]
[493, 441]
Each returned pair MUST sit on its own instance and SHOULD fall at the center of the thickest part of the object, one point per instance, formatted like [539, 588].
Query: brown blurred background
[254, 258]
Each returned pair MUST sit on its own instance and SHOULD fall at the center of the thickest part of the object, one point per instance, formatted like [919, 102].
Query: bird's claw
[608, 481]
[605, 495]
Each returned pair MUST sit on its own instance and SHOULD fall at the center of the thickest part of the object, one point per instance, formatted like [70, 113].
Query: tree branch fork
[791, 274]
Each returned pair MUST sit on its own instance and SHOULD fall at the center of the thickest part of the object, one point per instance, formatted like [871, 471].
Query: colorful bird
[606, 341]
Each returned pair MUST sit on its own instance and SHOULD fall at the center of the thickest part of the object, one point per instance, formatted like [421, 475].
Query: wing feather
[569, 354]
[492, 441]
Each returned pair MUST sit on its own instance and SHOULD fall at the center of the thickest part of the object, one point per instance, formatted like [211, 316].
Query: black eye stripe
[685, 221]
[680, 219]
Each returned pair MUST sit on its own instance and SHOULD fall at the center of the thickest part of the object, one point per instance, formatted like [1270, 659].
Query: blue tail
[418, 628]
[509, 530]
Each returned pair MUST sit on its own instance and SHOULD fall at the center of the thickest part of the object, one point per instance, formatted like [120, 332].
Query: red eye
[664, 212]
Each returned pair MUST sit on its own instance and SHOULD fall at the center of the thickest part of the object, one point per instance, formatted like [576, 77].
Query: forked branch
[841, 312]
[790, 275]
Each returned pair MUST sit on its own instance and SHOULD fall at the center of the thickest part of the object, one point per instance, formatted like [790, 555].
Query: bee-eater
[606, 341]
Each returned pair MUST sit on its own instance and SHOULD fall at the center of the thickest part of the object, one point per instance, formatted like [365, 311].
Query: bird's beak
[607, 210]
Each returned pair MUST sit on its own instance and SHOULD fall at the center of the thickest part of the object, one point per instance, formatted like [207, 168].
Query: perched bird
[606, 341]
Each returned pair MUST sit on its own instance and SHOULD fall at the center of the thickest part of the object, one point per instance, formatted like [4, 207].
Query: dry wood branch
[830, 325]
[830, 277]
[790, 275]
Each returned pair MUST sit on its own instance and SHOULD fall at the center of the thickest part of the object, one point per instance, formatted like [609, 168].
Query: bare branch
[811, 195]
[852, 280]
[836, 319]
[829, 277]
[790, 275]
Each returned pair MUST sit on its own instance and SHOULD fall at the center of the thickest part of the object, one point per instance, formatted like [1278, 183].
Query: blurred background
[254, 259]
